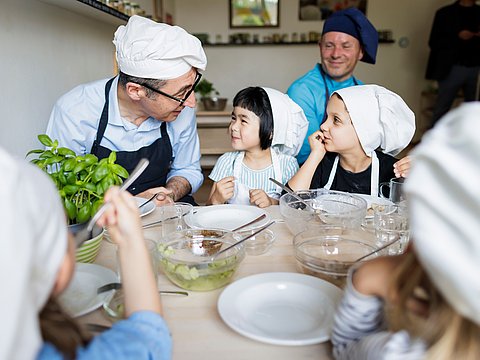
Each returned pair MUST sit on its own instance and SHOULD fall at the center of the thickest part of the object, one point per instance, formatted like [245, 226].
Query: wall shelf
[92, 9]
[278, 44]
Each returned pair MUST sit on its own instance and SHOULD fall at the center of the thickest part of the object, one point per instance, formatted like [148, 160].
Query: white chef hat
[289, 122]
[148, 49]
[444, 201]
[33, 239]
[380, 117]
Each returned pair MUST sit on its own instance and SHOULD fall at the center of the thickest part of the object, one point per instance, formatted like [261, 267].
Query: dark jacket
[444, 42]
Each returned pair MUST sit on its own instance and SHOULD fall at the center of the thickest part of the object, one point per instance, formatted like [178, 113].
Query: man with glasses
[147, 111]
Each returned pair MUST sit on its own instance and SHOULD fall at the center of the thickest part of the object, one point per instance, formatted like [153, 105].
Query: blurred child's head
[33, 239]
[444, 205]
[255, 100]
[381, 118]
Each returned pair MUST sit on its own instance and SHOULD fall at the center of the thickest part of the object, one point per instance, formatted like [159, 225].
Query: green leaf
[100, 172]
[112, 157]
[90, 159]
[70, 189]
[45, 140]
[119, 170]
[79, 167]
[99, 189]
[69, 164]
[90, 187]
[95, 206]
[38, 151]
[46, 154]
[71, 178]
[71, 209]
[107, 182]
[66, 151]
[62, 178]
[83, 213]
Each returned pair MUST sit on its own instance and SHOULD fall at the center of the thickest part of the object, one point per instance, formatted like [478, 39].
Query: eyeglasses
[198, 76]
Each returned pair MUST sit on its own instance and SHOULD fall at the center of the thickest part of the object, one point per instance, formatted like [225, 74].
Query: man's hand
[261, 199]
[222, 191]
[402, 167]
[164, 195]
[466, 34]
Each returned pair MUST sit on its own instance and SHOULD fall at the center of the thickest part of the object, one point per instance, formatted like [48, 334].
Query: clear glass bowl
[186, 258]
[331, 208]
[260, 243]
[114, 307]
[330, 256]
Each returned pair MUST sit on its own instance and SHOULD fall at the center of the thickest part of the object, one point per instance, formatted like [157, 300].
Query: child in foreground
[425, 303]
[37, 263]
[353, 152]
[266, 132]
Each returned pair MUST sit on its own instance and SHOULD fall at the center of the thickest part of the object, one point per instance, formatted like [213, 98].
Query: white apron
[241, 194]
[373, 179]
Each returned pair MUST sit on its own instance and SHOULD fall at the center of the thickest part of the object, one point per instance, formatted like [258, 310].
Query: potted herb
[209, 96]
[81, 180]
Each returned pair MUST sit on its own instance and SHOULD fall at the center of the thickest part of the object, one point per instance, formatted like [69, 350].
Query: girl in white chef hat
[353, 151]
[266, 132]
[37, 261]
[428, 297]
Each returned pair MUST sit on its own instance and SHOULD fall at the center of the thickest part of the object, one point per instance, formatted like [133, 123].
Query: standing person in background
[147, 111]
[347, 37]
[455, 54]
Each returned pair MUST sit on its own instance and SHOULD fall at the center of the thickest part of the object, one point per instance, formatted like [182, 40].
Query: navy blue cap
[351, 21]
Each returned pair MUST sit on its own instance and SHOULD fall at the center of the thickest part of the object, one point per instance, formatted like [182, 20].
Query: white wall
[232, 68]
[45, 51]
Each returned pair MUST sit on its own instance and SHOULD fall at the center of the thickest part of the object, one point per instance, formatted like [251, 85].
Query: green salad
[202, 277]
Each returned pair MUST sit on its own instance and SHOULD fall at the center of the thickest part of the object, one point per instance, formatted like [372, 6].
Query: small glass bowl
[114, 307]
[260, 243]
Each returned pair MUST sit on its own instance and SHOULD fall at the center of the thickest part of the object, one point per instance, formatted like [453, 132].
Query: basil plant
[81, 180]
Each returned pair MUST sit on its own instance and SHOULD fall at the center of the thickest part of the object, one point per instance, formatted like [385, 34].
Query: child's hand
[317, 145]
[261, 199]
[402, 167]
[122, 217]
[222, 191]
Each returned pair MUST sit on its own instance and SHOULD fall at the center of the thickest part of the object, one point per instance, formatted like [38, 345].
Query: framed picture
[254, 13]
[309, 10]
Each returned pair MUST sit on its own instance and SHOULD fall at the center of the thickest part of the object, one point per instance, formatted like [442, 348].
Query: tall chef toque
[444, 205]
[290, 124]
[147, 49]
[380, 117]
[351, 21]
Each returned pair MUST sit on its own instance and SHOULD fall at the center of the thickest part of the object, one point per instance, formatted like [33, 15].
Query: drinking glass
[391, 224]
[395, 193]
[172, 217]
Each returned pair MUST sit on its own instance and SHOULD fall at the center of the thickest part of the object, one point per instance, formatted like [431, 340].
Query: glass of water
[391, 225]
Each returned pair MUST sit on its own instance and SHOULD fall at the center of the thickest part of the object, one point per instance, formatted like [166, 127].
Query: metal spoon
[261, 217]
[293, 194]
[117, 286]
[86, 233]
[378, 249]
[242, 240]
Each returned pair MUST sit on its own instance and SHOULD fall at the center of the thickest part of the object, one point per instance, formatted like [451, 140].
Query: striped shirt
[360, 331]
[255, 179]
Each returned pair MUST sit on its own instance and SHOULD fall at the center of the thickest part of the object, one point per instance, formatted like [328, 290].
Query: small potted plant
[209, 96]
[81, 181]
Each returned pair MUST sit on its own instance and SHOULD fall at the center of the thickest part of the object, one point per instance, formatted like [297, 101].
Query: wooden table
[197, 329]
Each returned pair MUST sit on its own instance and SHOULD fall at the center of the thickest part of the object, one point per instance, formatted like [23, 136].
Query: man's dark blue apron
[159, 153]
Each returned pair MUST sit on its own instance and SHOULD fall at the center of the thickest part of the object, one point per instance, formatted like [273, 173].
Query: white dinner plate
[147, 209]
[280, 308]
[81, 295]
[227, 217]
[373, 200]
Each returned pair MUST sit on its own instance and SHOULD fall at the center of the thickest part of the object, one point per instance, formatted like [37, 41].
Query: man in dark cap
[347, 37]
